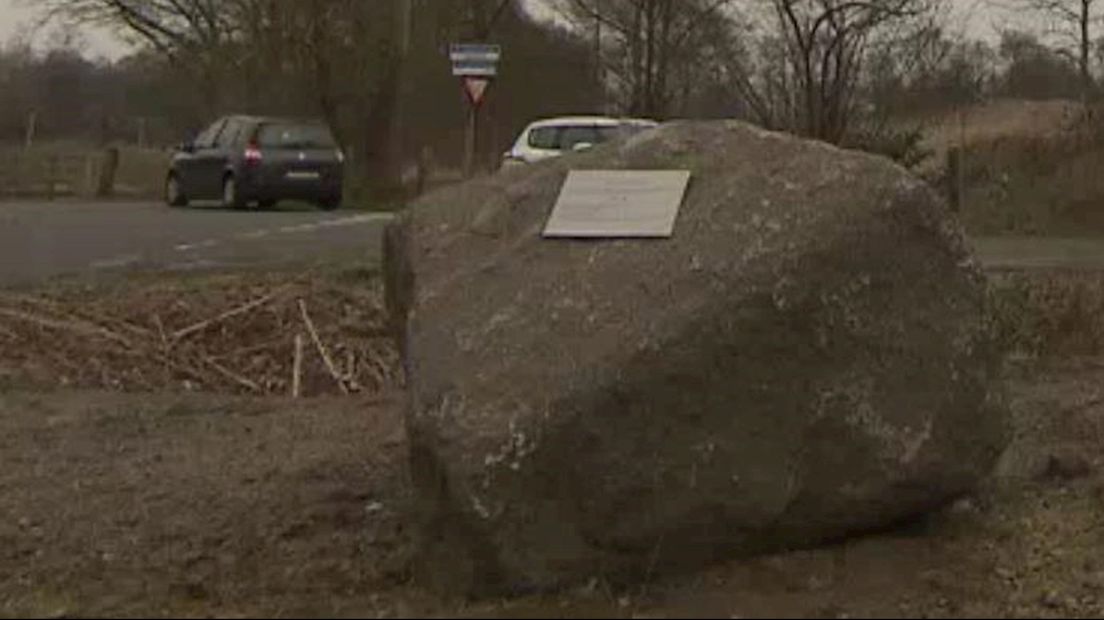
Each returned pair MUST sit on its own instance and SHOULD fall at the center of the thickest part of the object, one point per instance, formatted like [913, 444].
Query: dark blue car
[243, 160]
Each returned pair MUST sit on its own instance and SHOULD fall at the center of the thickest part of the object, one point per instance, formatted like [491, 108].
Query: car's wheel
[330, 204]
[174, 194]
[231, 198]
[266, 205]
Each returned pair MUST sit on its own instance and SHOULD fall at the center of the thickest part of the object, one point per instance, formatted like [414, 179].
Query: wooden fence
[46, 172]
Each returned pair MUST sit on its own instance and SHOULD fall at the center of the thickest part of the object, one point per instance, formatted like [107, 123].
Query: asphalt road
[1041, 253]
[39, 240]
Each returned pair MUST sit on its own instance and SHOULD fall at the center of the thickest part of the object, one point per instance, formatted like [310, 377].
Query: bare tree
[483, 16]
[170, 26]
[190, 33]
[652, 44]
[807, 74]
[1072, 23]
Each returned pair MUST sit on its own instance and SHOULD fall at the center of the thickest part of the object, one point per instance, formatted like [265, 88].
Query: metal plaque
[618, 204]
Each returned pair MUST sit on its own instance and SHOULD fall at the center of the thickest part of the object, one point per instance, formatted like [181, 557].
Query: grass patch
[1035, 186]
[1049, 313]
[1031, 168]
[71, 169]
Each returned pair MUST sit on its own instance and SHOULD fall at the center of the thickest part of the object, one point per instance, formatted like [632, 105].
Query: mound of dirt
[808, 357]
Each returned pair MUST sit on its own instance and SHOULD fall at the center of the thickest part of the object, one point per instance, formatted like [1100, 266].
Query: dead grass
[999, 119]
[73, 169]
[1031, 167]
[225, 333]
[1051, 313]
[1036, 186]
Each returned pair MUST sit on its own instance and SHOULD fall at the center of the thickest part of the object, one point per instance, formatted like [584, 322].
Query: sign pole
[469, 141]
[32, 128]
[475, 88]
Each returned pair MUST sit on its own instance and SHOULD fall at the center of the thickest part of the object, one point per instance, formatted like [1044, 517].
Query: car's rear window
[565, 137]
[295, 136]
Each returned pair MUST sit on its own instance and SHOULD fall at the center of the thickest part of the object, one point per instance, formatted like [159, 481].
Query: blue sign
[475, 59]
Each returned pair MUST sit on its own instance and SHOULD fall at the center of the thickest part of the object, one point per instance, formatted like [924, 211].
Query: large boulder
[807, 358]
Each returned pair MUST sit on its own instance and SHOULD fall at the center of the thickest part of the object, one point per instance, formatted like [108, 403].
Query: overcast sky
[17, 19]
[975, 16]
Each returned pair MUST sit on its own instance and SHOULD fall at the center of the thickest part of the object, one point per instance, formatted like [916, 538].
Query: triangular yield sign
[476, 87]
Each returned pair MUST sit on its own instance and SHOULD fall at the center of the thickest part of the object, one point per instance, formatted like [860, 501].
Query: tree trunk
[635, 59]
[376, 147]
[665, 51]
[382, 140]
[649, 58]
[1085, 18]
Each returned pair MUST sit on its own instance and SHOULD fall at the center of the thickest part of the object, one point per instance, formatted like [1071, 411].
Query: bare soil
[199, 505]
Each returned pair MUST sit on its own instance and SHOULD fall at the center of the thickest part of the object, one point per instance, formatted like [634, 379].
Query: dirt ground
[199, 505]
[188, 493]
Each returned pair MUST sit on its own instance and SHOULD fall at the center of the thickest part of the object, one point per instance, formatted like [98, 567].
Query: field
[69, 169]
[1031, 167]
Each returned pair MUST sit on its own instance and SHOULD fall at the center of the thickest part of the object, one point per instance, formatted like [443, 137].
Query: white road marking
[187, 247]
[262, 233]
[118, 261]
[256, 234]
[355, 220]
[299, 228]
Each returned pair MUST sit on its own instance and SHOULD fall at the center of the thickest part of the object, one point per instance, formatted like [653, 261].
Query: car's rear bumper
[267, 187]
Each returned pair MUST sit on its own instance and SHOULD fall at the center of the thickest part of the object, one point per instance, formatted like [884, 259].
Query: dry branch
[131, 342]
[233, 376]
[297, 368]
[322, 348]
[82, 327]
[229, 314]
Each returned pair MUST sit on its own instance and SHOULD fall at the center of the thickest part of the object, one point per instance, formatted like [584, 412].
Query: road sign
[476, 87]
[475, 59]
[618, 204]
[476, 64]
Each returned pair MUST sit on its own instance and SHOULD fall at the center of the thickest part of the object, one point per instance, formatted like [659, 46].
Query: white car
[548, 138]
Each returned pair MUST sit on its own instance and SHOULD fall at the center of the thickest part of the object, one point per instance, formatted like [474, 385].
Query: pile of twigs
[234, 334]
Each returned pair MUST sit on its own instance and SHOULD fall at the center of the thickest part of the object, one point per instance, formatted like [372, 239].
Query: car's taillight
[253, 154]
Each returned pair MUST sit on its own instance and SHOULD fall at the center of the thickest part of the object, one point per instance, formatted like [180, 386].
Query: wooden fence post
[32, 129]
[107, 173]
[89, 186]
[954, 178]
[51, 176]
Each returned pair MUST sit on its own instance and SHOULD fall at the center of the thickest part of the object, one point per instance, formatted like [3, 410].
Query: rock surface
[807, 358]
